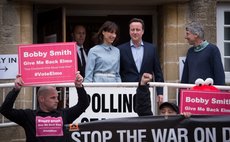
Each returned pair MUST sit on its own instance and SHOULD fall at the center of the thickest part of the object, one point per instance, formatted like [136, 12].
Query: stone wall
[173, 18]
[172, 21]
[204, 11]
[16, 27]
[9, 28]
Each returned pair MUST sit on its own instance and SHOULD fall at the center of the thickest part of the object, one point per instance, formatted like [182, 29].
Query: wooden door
[51, 26]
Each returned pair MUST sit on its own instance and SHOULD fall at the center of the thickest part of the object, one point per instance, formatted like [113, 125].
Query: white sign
[8, 66]
[107, 102]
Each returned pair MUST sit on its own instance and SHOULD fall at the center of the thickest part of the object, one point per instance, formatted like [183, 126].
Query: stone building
[32, 21]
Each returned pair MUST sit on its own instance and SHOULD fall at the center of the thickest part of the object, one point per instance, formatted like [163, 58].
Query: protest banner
[205, 102]
[199, 128]
[47, 63]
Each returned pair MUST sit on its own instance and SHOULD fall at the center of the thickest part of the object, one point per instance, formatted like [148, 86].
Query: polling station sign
[205, 102]
[197, 128]
[47, 63]
[107, 102]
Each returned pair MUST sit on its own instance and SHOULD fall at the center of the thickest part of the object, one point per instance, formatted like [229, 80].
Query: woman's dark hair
[108, 26]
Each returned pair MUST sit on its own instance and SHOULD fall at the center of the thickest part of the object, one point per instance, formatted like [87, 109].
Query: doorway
[55, 26]
[93, 23]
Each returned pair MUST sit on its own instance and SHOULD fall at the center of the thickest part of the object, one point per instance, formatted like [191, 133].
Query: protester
[79, 35]
[104, 59]
[203, 58]
[138, 57]
[143, 102]
[168, 108]
[46, 124]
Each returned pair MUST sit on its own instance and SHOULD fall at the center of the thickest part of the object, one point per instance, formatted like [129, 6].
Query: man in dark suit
[79, 34]
[138, 57]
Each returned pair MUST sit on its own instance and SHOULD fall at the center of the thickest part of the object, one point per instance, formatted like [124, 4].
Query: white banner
[107, 102]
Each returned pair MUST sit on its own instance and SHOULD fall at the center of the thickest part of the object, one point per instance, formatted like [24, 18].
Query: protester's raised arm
[146, 77]
[78, 80]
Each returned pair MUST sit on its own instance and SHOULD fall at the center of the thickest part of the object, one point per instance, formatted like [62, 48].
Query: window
[223, 36]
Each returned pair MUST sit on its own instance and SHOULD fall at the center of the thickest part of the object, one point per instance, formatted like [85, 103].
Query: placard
[47, 63]
[205, 102]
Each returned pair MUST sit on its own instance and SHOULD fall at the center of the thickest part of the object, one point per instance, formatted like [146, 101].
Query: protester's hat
[171, 105]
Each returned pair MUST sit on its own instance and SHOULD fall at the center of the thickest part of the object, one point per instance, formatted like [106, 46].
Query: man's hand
[146, 77]
[18, 83]
[78, 80]
[186, 114]
[159, 99]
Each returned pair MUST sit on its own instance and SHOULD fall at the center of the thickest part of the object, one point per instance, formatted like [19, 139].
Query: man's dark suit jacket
[150, 64]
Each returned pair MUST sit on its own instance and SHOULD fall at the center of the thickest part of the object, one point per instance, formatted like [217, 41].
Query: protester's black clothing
[143, 102]
[26, 118]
